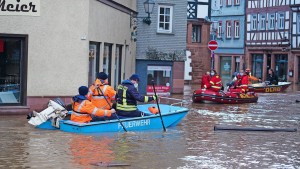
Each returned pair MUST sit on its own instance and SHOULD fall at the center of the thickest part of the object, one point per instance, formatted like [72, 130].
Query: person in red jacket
[205, 80]
[245, 81]
[241, 85]
[215, 81]
[85, 111]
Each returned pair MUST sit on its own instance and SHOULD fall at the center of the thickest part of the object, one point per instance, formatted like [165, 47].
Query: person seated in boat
[83, 109]
[272, 78]
[242, 82]
[234, 79]
[101, 94]
[205, 80]
[128, 96]
[215, 81]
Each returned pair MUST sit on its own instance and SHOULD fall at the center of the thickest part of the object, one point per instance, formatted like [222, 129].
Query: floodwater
[192, 144]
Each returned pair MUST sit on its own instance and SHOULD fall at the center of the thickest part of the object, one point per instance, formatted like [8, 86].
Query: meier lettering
[30, 7]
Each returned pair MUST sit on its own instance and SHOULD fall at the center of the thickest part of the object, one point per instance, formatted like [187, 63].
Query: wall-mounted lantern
[148, 5]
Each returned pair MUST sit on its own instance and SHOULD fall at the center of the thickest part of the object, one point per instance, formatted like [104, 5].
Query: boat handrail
[181, 101]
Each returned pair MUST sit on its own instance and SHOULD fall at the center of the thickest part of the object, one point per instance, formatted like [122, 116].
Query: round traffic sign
[212, 45]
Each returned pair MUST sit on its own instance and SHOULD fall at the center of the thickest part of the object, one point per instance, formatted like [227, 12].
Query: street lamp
[148, 5]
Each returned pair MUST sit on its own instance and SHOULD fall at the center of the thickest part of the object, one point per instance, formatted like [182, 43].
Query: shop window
[257, 65]
[93, 62]
[118, 65]
[107, 55]
[225, 71]
[281, 67]
[237, 64]
[162, 78]
[13, 63]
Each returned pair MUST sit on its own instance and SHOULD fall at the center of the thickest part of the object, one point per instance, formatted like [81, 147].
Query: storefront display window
[107, 55]
[118, 65]
[162, 79]
[281, 67]
[257, 65]
[11, 55]
[225, 72]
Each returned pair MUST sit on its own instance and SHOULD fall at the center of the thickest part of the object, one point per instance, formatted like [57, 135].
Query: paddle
[110, 108]
[162, 122]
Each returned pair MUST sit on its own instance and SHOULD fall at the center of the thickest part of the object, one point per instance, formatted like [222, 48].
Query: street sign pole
[212, 59]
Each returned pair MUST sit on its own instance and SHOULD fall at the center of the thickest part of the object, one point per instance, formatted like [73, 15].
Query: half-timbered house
[268, 38]
[295, 40]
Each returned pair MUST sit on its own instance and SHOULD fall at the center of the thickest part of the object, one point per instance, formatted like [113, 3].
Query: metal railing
[180, 101]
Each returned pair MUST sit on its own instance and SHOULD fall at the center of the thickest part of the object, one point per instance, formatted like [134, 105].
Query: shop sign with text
[20, 7]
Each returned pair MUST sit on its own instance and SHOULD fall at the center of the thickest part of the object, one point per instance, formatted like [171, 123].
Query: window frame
[237, 2]
[170, 30]
[198, 36]
[237, 29]
[262, 22]
[271, 21]
[221, 2]
[281, 20]
[253, 23]
[298, 24]
[228, 29]
[219, 30]
[228, 2]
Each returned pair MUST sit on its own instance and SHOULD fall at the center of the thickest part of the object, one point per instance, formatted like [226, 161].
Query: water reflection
[192, 144]
[87, 150]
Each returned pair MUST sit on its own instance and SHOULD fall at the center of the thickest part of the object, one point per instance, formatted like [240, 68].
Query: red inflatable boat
[209, 96]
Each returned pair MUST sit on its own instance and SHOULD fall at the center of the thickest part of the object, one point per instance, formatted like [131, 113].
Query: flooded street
[192, 144]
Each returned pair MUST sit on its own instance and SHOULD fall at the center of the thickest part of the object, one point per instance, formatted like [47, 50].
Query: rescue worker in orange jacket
[215, 81]
[100, 93]
[205, 80]
[83, 109]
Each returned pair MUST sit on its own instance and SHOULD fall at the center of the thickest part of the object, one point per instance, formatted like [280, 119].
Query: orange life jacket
[83, 111]
[98, 95]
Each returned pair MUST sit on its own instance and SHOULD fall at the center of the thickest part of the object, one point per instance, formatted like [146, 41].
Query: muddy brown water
[192, 144]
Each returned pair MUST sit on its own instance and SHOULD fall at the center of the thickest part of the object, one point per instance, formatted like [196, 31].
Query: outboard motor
[56, 110]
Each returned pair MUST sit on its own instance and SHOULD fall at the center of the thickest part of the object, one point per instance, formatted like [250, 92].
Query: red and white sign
[159, 89]
[212, 45]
